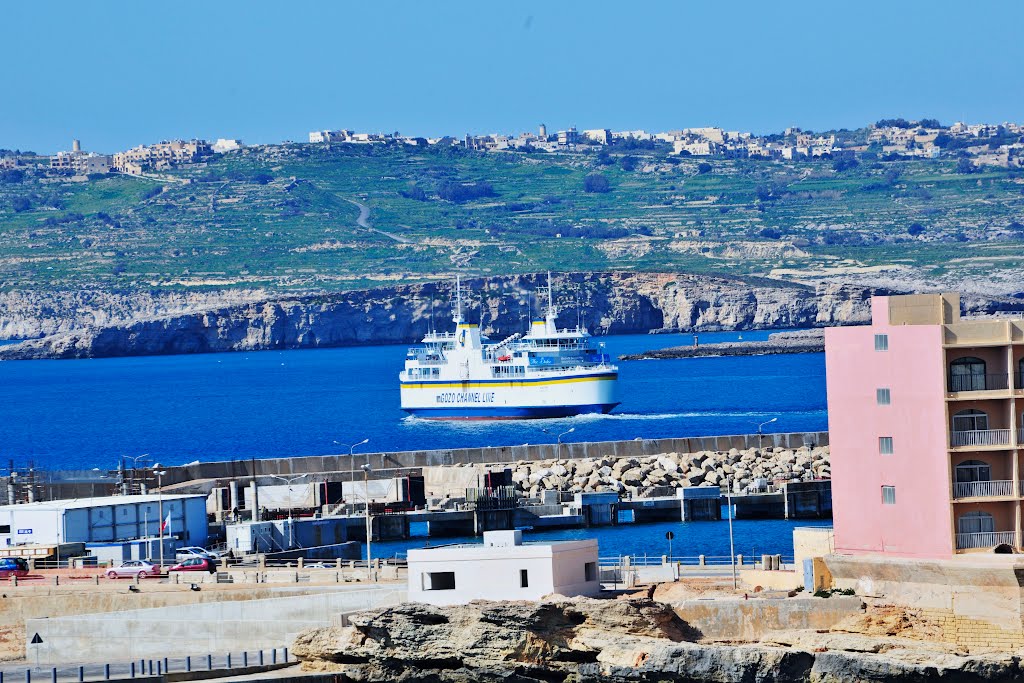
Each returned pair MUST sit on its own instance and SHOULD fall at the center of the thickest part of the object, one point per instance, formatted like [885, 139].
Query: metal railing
[978, 382]
[985, 539]
[980, 437]
[229, 663]
[608, 561]
[978, 489]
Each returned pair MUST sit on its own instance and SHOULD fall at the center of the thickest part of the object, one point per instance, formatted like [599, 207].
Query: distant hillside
[289, 219]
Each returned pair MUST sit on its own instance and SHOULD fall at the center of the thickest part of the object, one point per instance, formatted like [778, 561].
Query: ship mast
[551, 327]
[457, 317]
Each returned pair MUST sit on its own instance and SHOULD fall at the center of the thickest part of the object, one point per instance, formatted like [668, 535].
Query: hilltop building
[226, 145]
[502, 568]
[161, 156]
[79, 162]
[925, 422]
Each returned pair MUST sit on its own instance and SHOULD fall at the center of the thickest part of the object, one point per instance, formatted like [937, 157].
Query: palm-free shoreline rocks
[586, 640]
[747, 469]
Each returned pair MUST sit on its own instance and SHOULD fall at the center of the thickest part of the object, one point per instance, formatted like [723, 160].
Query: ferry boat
[544, 373]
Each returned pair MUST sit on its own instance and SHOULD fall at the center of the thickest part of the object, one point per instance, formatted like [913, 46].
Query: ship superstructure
[544, 373]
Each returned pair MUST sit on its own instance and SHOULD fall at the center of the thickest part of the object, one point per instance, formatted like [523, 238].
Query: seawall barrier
[386, 464]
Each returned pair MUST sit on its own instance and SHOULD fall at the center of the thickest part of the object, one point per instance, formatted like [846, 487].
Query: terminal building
[502, 568]
[113, 527]
[926, 430]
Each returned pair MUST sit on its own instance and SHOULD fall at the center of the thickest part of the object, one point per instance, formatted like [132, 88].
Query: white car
[133, 568]
[187, 553]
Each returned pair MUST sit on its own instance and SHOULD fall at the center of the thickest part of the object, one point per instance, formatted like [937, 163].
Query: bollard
[106, 672]
[81, 674]
[273, 656]
[209, 662]
[159, 668]
[133, 670]
[228, 660]
[739, 560]
[97, 579]
[285, 655]
[245, 658]
[56, 579]
[701, 560]
[188, 663]
[53, 674]
[151, 667]
[14, 580]
[261, 662]
[28, 675]
[167, 666]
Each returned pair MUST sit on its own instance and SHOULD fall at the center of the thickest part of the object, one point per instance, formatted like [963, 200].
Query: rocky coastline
[585, 640]
[607, 303]
[803, 341]
[637, 476]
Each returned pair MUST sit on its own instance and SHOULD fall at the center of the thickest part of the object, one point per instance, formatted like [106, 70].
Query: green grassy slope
[295, 227]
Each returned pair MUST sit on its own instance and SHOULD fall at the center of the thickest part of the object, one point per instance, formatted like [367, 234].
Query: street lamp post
[760, 433]
[291, 528]
[568, 431]
[160, 509]
[369, 524]
[352, 457]
[732, 545]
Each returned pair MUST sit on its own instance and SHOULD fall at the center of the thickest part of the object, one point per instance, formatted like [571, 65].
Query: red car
[195, 564]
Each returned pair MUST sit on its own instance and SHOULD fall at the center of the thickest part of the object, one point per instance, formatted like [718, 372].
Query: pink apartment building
[925, 430]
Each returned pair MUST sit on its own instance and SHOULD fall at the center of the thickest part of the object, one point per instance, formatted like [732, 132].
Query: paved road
[363, 221]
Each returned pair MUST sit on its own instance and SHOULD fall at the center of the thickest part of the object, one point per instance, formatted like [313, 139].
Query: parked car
[13, 566]
[187, 553]
[196, 564]
[139, 568]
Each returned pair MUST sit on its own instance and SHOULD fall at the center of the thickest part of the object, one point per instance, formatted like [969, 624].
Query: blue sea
[88, 413]
[752, 537]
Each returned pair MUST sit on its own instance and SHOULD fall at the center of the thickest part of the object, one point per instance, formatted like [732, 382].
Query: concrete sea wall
[390, 463]
[211, 627]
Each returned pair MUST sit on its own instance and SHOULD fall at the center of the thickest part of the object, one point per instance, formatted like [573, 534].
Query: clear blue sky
[118, 74]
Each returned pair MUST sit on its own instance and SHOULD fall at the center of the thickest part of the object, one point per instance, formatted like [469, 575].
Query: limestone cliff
[615, 302]
[609, 641]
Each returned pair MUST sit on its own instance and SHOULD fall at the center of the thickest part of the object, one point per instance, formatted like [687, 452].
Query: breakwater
[636, 476]
[803, 341]
[382, 465]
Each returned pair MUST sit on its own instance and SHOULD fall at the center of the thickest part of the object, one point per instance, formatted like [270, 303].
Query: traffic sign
[36, 640]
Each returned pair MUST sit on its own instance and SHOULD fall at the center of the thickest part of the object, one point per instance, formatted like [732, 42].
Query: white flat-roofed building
[107, 519]
[502, 568]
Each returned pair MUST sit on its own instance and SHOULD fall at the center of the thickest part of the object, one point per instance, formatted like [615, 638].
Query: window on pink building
[885, 445]
[881, 342]
[883, 397]
[888, 495]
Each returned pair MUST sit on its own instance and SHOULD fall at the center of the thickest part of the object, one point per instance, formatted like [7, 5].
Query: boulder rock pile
[749, 469]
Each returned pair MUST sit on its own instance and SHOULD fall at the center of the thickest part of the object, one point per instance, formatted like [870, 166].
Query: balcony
[980, 437]
[957, 383]
[985, 539]
[982, 489]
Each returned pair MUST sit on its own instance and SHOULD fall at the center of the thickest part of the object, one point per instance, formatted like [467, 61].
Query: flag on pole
[166, 524]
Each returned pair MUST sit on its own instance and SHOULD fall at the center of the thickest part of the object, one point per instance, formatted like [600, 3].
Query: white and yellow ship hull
[546, 395]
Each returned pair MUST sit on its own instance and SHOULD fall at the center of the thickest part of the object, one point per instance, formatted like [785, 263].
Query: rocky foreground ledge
[611, 641]
[639, 475]
[803, 341]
